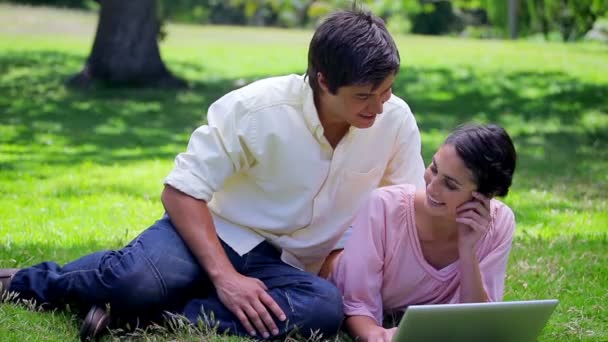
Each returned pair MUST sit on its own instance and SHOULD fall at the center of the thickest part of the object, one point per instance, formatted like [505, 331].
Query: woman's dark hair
[488, 151]
[351, 47]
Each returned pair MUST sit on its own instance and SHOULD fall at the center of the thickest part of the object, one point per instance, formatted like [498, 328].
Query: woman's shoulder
[503, 218]
[393, 197]
[396, 203]
[500, 210]
[391, 192]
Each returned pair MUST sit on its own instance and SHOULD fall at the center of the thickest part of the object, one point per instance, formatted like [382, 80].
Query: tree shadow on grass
[559, 123]
[61, 126]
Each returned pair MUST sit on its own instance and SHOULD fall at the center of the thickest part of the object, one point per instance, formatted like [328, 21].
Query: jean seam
[289, 302]
[155, 271]
[94, 271]
[245, 263]
[295, 322]
[157, 276]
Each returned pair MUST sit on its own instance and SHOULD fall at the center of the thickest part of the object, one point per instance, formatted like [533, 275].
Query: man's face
[357, 105]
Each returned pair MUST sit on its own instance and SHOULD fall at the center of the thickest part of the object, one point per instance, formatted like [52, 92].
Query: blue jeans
[157, 272]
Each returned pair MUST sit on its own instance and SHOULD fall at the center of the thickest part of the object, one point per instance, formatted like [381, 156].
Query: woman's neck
[431, 227]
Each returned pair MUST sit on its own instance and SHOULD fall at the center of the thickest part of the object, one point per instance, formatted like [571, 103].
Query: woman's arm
[358, 272]
[365, 329]
[471, 284]
[474, 220]
[483, 279]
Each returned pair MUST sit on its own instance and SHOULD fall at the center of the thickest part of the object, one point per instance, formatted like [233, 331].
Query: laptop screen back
[518, 321]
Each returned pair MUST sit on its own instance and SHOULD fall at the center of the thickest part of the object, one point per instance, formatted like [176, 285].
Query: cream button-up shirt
[267, 172]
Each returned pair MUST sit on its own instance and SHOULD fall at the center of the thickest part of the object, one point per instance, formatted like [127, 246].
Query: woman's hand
[366, 329]
[379, 334]
[473, 220]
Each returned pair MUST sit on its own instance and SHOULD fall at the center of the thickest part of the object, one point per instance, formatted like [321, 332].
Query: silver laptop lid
[516, 321]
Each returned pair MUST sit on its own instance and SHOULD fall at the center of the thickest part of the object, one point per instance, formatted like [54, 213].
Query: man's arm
[244, 296]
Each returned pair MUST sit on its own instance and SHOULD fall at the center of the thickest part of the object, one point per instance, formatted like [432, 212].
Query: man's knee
[132, 281]
[316, 309]
[329, 307]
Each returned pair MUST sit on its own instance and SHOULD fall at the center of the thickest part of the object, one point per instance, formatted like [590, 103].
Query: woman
[448, 243]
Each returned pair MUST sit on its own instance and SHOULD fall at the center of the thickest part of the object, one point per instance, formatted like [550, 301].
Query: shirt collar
[311, 115]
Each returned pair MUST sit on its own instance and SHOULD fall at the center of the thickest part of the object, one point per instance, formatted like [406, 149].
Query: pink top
[383, 269]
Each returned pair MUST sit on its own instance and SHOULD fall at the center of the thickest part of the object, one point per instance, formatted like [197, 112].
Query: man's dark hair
[351, 47]
[488, 151]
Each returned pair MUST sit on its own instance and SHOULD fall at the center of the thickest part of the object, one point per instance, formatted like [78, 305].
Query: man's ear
[322, 81]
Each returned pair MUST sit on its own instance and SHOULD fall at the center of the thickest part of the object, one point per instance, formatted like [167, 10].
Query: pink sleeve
[358, 273]
[493, 266]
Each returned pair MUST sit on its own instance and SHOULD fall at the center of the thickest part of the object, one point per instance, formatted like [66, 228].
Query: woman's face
[449, 183]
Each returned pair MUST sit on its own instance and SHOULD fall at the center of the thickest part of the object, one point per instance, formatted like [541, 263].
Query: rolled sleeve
[215, 151]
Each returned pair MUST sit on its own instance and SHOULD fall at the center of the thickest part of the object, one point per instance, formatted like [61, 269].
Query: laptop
[516, 321]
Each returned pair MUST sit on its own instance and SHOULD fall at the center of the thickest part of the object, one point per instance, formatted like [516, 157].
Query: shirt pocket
[355, 186]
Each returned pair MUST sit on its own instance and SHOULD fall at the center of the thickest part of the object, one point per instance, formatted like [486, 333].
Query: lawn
[83, 171]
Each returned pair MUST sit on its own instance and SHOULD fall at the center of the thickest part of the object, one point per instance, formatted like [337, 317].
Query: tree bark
[125, 50]
[513, 9]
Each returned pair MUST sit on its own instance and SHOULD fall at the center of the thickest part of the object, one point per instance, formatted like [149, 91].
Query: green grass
[82, 171]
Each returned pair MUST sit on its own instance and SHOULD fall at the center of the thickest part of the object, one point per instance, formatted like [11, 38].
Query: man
[260, 198]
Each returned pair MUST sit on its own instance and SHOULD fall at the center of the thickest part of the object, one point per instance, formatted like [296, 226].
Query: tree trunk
[125, 50]
[542, 18]
[566, 21]
[512, 5]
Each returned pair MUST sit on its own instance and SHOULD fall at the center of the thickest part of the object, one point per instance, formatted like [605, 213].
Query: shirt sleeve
[406, 166]
[493, 266]
[216, 150]
[358, 273]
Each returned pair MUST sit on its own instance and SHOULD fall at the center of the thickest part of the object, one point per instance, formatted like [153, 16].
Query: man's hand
[474, 219]
[247, 298]
[379, 334]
